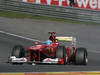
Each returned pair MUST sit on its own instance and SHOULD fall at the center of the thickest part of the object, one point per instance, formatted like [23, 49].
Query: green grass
[10, 14]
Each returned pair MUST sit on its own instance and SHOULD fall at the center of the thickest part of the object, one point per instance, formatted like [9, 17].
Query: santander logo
[87, 4]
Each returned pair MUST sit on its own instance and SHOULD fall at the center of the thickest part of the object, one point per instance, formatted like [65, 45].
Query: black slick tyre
[81, 56]
[61, 53]
[18, 51]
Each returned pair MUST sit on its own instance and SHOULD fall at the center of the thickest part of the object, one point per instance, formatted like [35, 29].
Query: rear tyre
[81, 56]
[61, 53]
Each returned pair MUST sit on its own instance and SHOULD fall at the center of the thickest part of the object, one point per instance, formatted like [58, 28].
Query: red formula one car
[56, 50]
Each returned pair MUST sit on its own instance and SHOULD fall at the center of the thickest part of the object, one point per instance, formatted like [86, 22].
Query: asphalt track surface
[87, 36]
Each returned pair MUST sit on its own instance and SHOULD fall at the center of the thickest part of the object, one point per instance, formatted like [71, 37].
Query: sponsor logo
[87, 4]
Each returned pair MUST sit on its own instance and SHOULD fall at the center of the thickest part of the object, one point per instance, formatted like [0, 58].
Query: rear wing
[67, 39]
[61, 38]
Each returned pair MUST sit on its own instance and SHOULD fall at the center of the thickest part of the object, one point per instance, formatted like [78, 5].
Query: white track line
[30, 39]
[26, 38]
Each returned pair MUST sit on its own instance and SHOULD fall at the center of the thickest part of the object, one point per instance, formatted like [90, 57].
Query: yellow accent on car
[64, 38]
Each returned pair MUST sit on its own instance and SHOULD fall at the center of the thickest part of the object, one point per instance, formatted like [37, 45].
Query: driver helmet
[48, 42]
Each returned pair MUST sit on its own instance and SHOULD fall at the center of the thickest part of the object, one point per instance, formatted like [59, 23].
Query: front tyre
[18, 51]
[61, 53]
[81, 56]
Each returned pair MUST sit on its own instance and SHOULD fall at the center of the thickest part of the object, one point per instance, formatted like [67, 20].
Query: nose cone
[37, 47]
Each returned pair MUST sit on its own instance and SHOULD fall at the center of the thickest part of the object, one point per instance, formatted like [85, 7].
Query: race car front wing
[13, 59]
